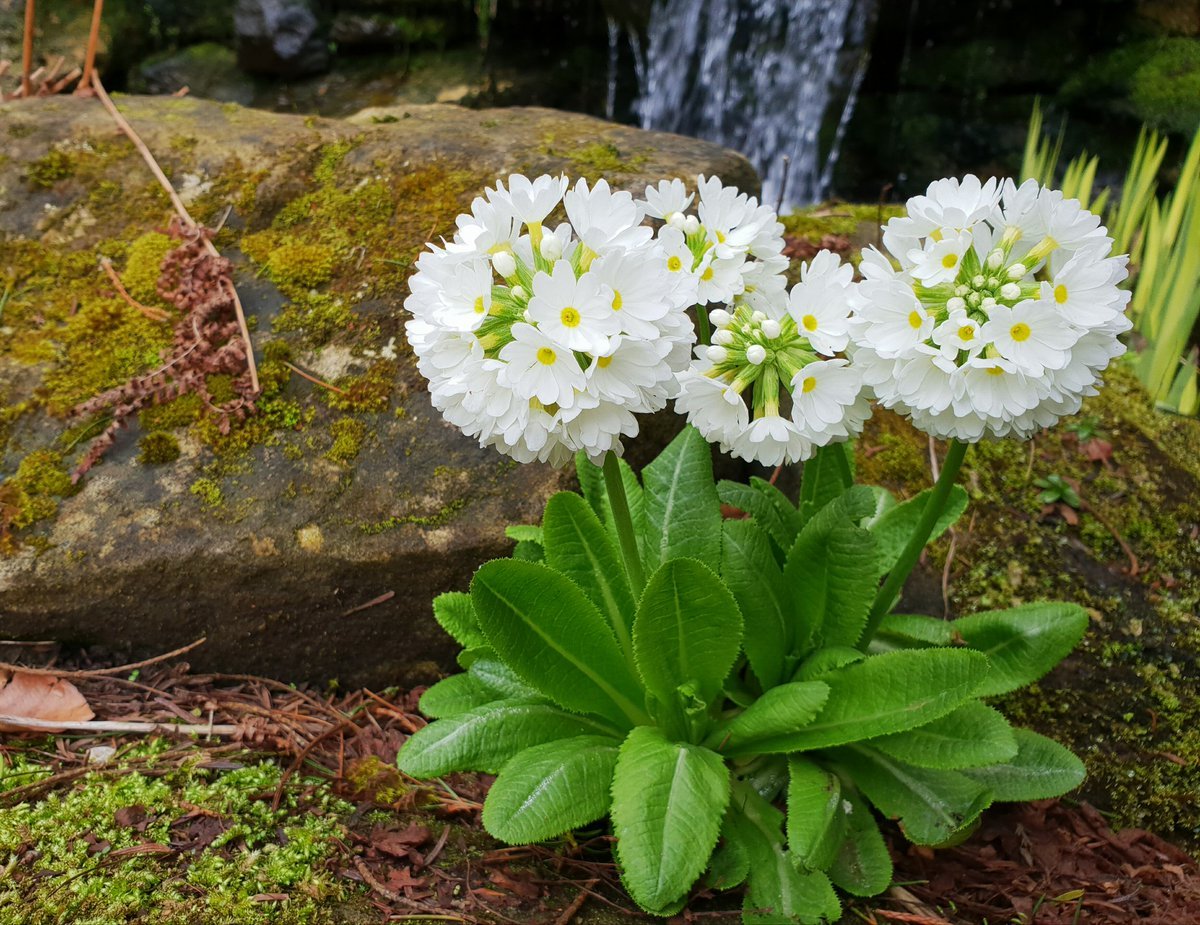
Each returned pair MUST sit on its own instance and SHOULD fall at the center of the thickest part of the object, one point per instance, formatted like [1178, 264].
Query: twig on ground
[89, 60]
[386, 596]
[313, 379]
[27, 50]
[154, 314]
[104, 725]
[576, 904]
[107, 672]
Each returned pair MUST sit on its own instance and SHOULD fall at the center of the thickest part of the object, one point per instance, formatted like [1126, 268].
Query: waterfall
[760, 76]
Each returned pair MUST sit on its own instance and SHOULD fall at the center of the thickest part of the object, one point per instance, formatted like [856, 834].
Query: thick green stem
[920, 536]
[702, 329]
[624, 523]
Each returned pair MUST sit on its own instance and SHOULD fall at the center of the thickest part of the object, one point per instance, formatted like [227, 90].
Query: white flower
[530, 201]
[820, 302]
[575, 313]
[538, 367]
[1015, 336]
[665, 199]
[604, 220]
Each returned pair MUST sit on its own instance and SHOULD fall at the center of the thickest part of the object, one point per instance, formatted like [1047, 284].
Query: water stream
[762, 76]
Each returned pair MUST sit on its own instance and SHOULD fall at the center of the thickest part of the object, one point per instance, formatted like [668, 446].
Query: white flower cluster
[543, 342]
[1003, 313]
[769, 388]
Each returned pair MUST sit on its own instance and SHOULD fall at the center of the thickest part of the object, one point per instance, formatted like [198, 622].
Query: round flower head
[543, 341]
[1003, 313]
[769, 389]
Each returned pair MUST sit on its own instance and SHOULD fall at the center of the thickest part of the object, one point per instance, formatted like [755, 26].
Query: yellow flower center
[808, 384]
[674, 264]
[995, 371]
[569, 317]
[914, 319]
[707, 274]
[546, 356]
[1060, 293]
[1019, 331]
[936, 234]
[809, 322]
[617, 301]
[720, 237]
[603, 362]
[966, 332]
[950, 261]
[479, 305]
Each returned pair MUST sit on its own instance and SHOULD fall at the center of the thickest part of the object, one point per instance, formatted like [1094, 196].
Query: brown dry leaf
[40, 697]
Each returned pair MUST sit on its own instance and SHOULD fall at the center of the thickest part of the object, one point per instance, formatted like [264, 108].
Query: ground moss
[178, 412]
[143, 265]
[348, 435]
[157, 447]
[208, 491]
[34, 491]
[90, 865]
[369, 392]
[840, 218]
[49, 169]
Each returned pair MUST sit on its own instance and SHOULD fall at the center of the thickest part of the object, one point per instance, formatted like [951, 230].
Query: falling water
[759, 76]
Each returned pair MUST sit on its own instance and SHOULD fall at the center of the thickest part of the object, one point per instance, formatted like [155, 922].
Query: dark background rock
[269, 549]
[280, 37]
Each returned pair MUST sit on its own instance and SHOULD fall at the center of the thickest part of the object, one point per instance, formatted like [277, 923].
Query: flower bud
[961, 290]
[758, 317]
[717, 353]
[551, 247]
[992, 282]
[756, 354]
[995, 258]
[719, 317]
[1017, 271]
[691, 225]
[1010, 291]
[519, 293]
[770, 329]
[978, 282]
[505, 263]
[989, 302]
[677, 220]
[973, 299]
[722, 337]
[956, 304]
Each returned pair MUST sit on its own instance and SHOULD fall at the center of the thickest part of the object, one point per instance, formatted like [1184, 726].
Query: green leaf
[749, 570]
[862, 866]
[591, 482]
[484, 738]
[729, 863]
[823, 661]
[524, 533]
[815, 819]
[456, 616]
[683, 512]
[908, 630]
[1022, 643]
[829, 574]
[823, 478]
[763, 512]
[779, 893]
[544, 628]
[890, 693]
[770, 723]
[455, 694]
[547, 790]
[931, 805]
[1041, 769]
[578, 547]
[787, 511]
[971, 736]
[667, 806]
[688, 631]
[894, 527]
[529, 551]
[499, 678]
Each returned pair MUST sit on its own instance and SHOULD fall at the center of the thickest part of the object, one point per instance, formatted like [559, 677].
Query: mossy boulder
[271, 538]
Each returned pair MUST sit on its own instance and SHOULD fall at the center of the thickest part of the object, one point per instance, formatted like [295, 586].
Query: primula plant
[736, 695]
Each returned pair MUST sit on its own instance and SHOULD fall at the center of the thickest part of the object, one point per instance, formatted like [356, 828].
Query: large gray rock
[280, 37]
[265, 541]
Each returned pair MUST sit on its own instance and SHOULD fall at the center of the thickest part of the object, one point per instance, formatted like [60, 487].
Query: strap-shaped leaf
[779, 893]
[815, 818]
[931, 805]
[668, 802]
[544, 628]
[683, 512]
[787, 511]
[548, 790]
[578, 547]
[890, 693]
[830, 575]
[456, 616]
[1022, 643]
[765, 515]
[591, 483]
[862, 865]
[499, 678]
[971, 736]
[894, 527]
[524, 533]
[484, 738]
[824, 478]
[1041, 769]
[750, 571]
[823, 661]
[529, 551]
[730, 862]
[688, 631]
[771, 722]
[455, 694]
[909, 631]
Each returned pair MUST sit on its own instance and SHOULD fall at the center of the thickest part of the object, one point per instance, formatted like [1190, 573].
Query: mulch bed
[1044, 863]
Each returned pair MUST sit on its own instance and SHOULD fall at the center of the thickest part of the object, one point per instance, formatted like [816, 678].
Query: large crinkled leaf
[456, 616]
[815, 818]
[971, 736]
[829, 575]
[750, 571]
[577, 545]
[1041, 769]
[765, 512]
[591, 483]
[498, 677]
[688, 631]
[824, 478]
[862, 865]
[890, 693]
[484, 738]
[546, 630]
[907, 631]
[683, 512]
[1022, 643]
[779, 892]
[787, 511]
[931, 805]
[894, 527]
[455, 694]
[545, 791]
[668, 802]
[770, 723]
